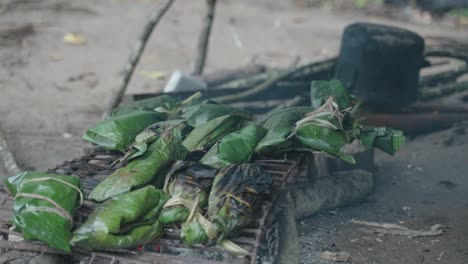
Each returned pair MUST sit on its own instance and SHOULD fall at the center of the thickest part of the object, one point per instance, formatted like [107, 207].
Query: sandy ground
[51, 92]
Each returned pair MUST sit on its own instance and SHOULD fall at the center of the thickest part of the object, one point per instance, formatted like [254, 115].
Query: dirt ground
[51, 92]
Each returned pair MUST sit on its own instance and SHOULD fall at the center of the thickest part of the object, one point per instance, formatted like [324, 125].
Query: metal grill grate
[94, 166]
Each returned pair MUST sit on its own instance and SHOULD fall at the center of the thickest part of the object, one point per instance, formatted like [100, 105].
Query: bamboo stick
[134, 58]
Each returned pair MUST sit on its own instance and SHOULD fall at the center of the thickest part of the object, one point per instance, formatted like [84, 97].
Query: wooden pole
[202, 47]
[135, 56]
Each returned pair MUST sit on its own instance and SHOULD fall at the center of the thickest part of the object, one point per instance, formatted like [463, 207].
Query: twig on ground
[202, 47]
[380, 225]
[7, 156]
[443, 89]
[442, 77]
[447, 52]
[136, 54]
[399, 230]
[224, 76]
[276, 76]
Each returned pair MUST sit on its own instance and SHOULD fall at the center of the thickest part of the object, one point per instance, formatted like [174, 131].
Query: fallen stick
[448, 52]
[247, 81]
[442, 90]
[276, 76]
[443, 77]
[380, 225]
[223, 76]
[203, 40]
[428, 107]
[135, 56]
[7, 157]
[399, 230]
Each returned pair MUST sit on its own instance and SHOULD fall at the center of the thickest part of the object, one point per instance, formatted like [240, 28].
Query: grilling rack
[94, 165]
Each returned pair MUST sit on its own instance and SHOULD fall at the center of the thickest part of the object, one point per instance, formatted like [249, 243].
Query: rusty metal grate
[94, 166]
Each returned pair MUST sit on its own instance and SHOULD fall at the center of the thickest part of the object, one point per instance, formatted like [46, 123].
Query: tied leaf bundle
[322, 90]
[150, 104]
[234, 148]
[331, 125]
[148, 136]
[322, 130]
[144, 169]
[278, 126]
[116, 133]
[386, 139]
[188, 181]
[44, 206]
[125, 221]
[233, 202]
[236, 195]
[199, 114]
[203, 137]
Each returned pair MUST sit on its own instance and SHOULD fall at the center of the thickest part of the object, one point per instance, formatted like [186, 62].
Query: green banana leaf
[124, 221]
[322, 130]
[203, 137]
[234, 148]
[278, 126]
[386, 139]
[145, 104]
[44, 206]
[320, 91]
[324, 139]
[233, 203]
[118, 132]
[187, 180]
[148, 136]
[142, 170]
[199, 114]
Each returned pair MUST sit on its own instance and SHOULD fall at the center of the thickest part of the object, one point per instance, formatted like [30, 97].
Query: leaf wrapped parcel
[150, 104]
[278, 126]
[234, 148]
[125, 221]
[198, 114]
[322, 130]
[116, 133]
[148, 136]
[203, 137]
[233, 203]
[320, 91]
[386, 139]
[190, 181]
[144, 169]
[44, 206]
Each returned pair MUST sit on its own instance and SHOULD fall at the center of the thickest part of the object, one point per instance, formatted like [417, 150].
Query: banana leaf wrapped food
[234, 148]
[322, 130]
[233, 203]
[320, 91]
[187, 182]
[124, 221]
[148, 168]
[148, 136]
[204, 136]
[150, 104]
[44, 206]
[199, 114]
[118, 132]
[279, 126]
[386, 139]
